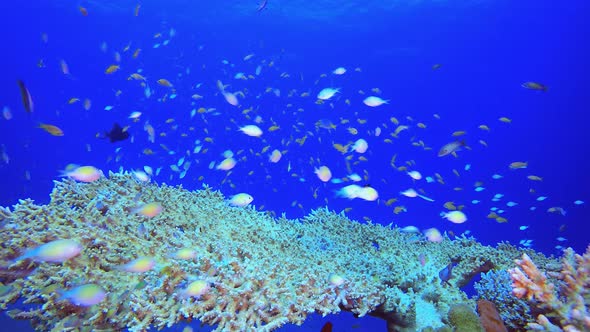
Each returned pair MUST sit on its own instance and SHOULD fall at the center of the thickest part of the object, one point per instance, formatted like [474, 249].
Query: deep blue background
[487, 49]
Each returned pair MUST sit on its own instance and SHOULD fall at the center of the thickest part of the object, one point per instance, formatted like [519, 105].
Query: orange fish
[137, 10]
[53, 130]
[84, 11]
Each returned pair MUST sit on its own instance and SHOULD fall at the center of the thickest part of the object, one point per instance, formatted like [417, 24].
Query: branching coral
[565, 307]
[261, 272]
[496, 287]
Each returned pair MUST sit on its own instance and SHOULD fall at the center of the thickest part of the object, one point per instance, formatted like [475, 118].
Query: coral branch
[564, 309]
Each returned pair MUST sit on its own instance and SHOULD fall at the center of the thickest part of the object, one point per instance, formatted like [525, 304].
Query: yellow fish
[534, 86]
[399, 209]
[493, 215]
[450, 206]
[505, 119]
[390, 201]
[501, 220]
[137, 77]
[53, 130]
[301, 140]
[111, 69]
[165, 82]
[340, 147]
[459, 133]
[534, 178]
[399, 129]
[518, 164]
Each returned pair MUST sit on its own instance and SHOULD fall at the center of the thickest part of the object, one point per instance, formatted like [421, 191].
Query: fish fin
[463, 145]
[69, 167]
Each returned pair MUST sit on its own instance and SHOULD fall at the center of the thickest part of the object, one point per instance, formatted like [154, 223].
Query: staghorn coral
[263, 272]
[564, 304]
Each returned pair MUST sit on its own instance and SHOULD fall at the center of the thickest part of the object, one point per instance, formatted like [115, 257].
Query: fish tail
[69, 168]
[22, 257]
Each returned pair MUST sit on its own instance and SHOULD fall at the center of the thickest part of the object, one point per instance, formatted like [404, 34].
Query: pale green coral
[464, 319]
[265, 272]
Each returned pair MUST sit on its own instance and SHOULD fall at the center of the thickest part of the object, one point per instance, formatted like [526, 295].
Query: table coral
[262, 272]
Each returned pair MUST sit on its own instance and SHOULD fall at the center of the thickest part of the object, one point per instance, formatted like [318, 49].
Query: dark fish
[327, 327]
[117, 134]
[26, 95]
[447, 273]
[261, 5]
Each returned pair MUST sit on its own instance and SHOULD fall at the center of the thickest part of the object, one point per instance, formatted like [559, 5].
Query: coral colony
[117, 253]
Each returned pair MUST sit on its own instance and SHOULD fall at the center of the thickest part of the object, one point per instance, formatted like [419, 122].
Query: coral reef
[254, 272]
[496, 287]
[564, 304]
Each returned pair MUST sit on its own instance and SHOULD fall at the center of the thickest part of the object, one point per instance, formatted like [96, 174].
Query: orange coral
[531, 283]
[567, 306]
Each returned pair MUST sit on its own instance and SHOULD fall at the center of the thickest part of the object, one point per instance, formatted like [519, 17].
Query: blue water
[486, 50]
